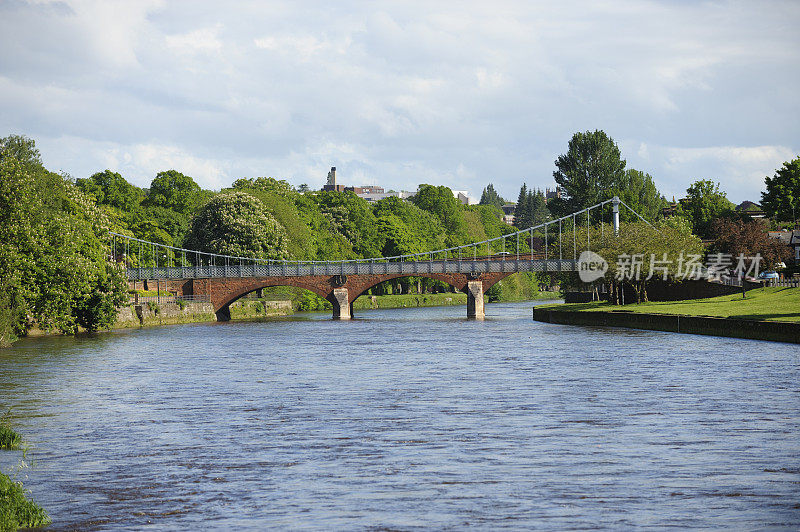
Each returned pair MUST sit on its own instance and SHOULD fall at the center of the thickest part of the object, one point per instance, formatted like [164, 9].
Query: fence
[168, 297]
[786, 283]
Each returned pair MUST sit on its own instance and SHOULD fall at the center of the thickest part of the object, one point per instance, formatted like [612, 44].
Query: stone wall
[736, 328]
[145, 314]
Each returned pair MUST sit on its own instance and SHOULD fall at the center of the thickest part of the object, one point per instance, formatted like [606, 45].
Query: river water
[407, 419]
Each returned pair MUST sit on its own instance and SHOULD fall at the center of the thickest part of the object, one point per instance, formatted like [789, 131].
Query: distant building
[508, 213]
[331, 184]
[370, 193]
[791, 238]
[464, 197]
[751, 209]
[558, 193]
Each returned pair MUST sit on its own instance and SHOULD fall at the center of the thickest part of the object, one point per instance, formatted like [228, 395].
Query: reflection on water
[408, 418]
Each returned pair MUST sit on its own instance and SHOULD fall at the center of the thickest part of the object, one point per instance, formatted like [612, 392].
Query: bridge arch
[222, 299]
[339, 291]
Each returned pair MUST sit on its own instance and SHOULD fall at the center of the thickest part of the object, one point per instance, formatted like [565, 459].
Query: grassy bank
[16, 510]
[409, 300]
[763, 304]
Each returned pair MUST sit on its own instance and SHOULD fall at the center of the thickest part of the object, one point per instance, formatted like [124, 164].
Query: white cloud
[740, 169]
[203, 40]
[406, 93]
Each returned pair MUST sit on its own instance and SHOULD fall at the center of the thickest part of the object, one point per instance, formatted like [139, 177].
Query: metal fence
[365, 267]
[168, 297]
[787, 283]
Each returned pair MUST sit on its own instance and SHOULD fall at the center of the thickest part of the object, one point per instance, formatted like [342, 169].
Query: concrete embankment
[731, 327]
[171, 313]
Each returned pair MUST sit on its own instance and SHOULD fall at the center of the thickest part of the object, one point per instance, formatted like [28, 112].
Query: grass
[9, 438]
[410, 300]
[16, 510]
[764, 304]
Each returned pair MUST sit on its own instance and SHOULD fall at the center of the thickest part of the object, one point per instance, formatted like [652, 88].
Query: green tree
[588, 172]
[640, 242]
[175, 191]
[237, 224]
[540, 213]
[523, 214]
[110, 188]
[352, 217]
[781, 200]
[413, 229]
[490, 197]
[704, 203]
[440, 201]
[638, 190]
[281, 202]
[265, 184]
[54, 267]
[531, 208]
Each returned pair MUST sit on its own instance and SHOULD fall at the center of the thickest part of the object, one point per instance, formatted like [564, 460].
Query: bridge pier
[224, 313]
[475, 300]
[342, 309]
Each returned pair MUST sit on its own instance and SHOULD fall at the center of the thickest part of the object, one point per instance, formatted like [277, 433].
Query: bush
[16, 511]
[9, 438]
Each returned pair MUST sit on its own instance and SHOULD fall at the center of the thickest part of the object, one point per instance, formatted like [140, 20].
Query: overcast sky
[398, 94]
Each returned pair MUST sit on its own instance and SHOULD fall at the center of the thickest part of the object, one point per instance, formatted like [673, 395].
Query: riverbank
[153, 314]
[766, 314]
[16, 509]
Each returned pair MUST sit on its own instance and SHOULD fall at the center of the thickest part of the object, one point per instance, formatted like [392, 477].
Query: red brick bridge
[340, 290]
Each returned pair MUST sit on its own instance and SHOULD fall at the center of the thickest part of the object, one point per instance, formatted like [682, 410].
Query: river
[407, 419]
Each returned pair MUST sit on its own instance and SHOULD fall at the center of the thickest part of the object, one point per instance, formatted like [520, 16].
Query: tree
[352, 217]
[704, 203]
[782, 197]
[237, 224]
[280, 187]
[490, 197]
[54, 267]
[639, 240]
[522, 212]
[440, 201]
[110, 188]
[748, 238]
[279, 200]
[538, 207]
[531, 208]
[175, 191]
[424, 230]
[638, 190]
[588, 172]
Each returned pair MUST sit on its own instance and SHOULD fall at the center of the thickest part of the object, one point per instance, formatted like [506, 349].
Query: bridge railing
[531, 249]
[352, 268]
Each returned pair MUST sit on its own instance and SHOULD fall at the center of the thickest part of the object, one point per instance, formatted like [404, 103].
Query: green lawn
[773, 304]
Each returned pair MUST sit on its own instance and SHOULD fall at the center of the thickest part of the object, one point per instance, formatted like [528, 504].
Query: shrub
[16, 511]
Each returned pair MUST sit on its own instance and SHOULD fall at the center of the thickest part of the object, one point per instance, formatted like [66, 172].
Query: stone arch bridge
[341, 283]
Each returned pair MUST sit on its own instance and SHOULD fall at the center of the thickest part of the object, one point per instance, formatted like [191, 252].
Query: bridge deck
[363, 267]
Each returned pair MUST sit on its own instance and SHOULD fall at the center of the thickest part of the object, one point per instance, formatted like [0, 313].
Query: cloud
[740, 169]
[400, 94]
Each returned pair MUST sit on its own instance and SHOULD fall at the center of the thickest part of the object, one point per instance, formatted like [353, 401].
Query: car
[768, 275]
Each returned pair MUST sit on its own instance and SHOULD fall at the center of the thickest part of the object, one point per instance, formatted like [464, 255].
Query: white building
[464, 197]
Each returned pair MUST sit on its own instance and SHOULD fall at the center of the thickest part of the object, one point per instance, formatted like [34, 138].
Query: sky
[396, 94]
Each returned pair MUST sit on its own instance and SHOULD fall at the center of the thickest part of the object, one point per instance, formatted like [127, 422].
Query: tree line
[593, 170]
[56, 266]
